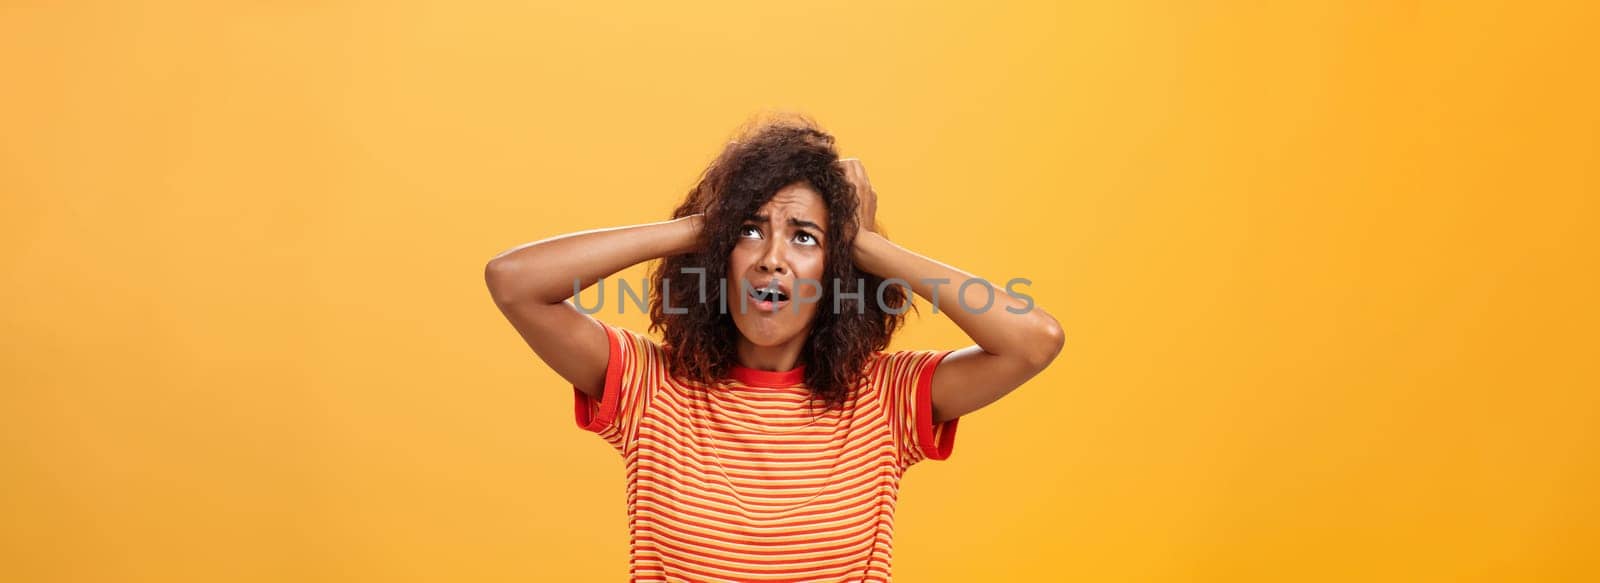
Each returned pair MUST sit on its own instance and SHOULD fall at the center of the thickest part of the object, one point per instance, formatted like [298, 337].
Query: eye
[749, 231]
[804, 238]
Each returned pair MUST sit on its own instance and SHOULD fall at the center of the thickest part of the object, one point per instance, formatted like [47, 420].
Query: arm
[531, 283]
[1011, 348]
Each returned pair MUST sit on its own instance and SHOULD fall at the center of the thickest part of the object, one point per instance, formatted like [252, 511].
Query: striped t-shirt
[740, 481]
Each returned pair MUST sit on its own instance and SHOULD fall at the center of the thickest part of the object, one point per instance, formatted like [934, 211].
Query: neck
[781, 357]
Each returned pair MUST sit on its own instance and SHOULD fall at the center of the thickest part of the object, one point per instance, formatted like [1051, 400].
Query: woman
[765, 435]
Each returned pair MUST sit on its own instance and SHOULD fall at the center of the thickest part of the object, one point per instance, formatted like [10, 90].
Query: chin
[765, 338]
[766, 333]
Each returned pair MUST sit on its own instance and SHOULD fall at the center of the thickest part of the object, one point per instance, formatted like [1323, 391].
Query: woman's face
[782, 247]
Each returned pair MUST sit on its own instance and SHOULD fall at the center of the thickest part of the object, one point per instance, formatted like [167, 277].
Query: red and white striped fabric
[741, 481]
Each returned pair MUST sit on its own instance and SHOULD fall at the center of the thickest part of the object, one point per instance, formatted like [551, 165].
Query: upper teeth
[770, 294]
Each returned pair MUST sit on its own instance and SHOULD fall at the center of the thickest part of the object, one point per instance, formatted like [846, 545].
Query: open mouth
[769, 298]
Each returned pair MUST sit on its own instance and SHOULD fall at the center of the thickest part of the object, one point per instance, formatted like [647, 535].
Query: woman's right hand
[694, 225]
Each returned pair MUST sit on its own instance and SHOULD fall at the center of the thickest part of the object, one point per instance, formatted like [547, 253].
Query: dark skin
[531, 283]
[783, 244]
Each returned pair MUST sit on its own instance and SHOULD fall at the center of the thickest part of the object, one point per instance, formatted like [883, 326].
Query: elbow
[518, 281]
[497, 275]
[1047, 343]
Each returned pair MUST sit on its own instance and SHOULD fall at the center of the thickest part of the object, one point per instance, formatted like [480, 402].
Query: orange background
[1327, 273]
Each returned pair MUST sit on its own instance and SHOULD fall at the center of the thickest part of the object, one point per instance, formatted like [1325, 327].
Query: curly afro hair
[767, 154]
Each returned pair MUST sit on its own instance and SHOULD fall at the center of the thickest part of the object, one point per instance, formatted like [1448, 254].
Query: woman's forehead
[797, 201]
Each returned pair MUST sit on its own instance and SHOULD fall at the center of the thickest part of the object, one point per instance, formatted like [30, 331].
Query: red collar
[769, 378]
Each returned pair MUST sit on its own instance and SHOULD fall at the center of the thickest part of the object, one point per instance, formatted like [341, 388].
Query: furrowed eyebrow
[802, 223]
[793, 222]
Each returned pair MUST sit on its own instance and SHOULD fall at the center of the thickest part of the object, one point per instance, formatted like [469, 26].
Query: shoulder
[900, 368]
[634, 346]
[898, 361]
[629, 334]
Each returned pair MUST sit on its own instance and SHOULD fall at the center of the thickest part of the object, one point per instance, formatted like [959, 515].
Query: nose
[772, 260]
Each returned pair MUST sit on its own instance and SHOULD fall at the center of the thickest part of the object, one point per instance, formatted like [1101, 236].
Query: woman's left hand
[867, 208]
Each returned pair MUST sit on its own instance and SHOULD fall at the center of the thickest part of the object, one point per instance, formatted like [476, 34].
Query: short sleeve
[634, 369]
[905, 381]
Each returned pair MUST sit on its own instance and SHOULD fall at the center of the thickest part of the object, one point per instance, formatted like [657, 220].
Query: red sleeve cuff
[936, 441]
[592, 416]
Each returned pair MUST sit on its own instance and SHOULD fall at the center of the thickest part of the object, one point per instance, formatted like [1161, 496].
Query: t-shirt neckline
[769, 378]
